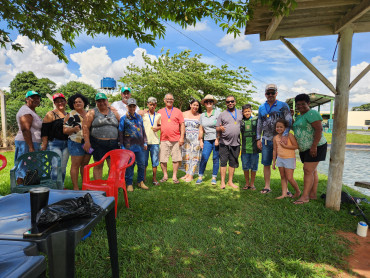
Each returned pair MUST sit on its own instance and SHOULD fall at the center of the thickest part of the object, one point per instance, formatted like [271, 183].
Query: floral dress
[191, 151]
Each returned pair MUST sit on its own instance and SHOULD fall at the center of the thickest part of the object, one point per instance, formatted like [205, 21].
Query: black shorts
[229, 154]
[101, 147]
[321, 154]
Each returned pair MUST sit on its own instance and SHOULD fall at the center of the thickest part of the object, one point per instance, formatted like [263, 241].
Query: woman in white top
[28, 138]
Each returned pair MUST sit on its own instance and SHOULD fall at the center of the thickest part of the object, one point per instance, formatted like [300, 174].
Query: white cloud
[200, 26]
[234, 45]
[300, 82]
[95, 64]
[36, 58]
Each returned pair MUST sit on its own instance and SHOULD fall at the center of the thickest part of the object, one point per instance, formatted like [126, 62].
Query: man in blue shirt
[132, 137]
[268, 113]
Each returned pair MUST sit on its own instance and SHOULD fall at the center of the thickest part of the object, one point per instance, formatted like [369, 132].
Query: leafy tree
[26, 81]
[363, 107]
[74, 87]
[186, 77]
[55, 22]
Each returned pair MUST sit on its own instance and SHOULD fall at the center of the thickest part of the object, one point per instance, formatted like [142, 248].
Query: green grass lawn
[186, 230]
[352, 138]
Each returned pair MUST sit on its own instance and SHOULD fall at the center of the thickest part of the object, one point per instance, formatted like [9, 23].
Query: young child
[284, 158]
[249, 156]
[132, 137]
[152, 123]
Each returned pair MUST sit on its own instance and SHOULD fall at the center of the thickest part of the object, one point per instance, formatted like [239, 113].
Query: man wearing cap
[100, 131]
[28, 138]
[132, 137]
[121, 105]
[228, 125]
[268, 113]
[172, 137]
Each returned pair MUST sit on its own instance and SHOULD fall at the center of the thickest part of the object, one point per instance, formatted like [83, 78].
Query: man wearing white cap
[268, 113]
[121, 105]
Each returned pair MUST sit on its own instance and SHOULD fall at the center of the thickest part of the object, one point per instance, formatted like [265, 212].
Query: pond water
[356, 168]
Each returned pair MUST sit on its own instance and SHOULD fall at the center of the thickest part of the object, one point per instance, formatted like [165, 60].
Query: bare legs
[175, 166]
[267, 176]
[98, 170]
[223, 177]
[310, 183]
[77, 165]
[253, 177]
[287, 176]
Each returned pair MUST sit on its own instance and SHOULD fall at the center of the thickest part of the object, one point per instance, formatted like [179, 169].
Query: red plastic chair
[120, 160]
[4, 162]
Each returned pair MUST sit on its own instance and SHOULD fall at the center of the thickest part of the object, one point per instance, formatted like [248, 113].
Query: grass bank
[352, 138]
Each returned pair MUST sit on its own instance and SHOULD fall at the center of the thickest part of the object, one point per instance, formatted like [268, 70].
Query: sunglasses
[208, 101]
[270, 93]
[230, 101]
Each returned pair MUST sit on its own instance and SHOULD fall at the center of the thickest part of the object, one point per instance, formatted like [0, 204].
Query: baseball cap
[32, 93]
[271, 87]
[152, 100]
[58, 95]
[125, 89]
[131, 101]
[100, 96]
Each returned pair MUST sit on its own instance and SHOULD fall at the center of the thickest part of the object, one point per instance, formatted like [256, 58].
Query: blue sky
[268, 62]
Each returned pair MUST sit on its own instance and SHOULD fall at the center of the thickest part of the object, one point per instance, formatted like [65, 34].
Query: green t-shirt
[248, 129]
[304, 132]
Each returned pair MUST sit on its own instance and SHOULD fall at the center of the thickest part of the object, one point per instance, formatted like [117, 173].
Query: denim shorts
[75, 149]
[288, 163]
[153, 150]
[267, 151]
[101, 147]
[250, 161]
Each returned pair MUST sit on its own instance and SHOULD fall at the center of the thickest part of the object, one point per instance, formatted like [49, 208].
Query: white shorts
[288, 163]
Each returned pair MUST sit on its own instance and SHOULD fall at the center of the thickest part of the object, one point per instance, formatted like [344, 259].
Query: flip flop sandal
[155, 183]
[252, 188]
[163, 180]
[265, 191]
[246, 187]
[299, 202]
[176, 181]
[289, 194]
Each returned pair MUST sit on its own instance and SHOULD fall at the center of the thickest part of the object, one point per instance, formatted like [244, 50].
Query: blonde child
[284, 159]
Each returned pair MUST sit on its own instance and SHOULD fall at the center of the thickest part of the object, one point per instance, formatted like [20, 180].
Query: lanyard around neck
[168, 116]
[152, 123]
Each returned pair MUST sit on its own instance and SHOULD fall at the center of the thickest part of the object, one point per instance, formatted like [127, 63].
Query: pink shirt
[170, 124]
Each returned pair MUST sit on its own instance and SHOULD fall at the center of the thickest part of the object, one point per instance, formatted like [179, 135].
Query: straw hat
[209, 97]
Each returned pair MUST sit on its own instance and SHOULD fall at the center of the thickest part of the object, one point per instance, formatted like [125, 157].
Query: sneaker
[199, 181]
[130, 188]
[142, 185]
[214, 181]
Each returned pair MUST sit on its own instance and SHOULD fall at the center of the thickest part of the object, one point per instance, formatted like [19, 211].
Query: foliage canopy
[363, 107]
[186, 77]
[54, 22]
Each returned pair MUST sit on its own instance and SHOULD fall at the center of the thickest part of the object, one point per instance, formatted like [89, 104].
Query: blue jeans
[21, 147]
[153, 149]
[267, 151]
[61, 148]
[140, 160]
[209, 146]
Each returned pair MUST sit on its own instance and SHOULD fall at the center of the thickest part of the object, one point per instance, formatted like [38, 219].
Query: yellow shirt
[155, 119]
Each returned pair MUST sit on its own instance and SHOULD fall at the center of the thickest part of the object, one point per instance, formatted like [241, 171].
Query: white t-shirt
[122, 108]
[35, 127]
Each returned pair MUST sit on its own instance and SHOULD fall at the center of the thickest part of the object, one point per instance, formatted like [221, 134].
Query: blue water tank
[108, 83]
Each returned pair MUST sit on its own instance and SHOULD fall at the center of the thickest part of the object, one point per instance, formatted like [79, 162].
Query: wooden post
[338, 144]
[3, 119]
[331, 109]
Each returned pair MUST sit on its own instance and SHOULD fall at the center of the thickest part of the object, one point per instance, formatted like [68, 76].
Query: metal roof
[310, 18]
[315, 100]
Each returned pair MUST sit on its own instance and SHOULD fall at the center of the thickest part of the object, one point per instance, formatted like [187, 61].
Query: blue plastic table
[60, 242]
[19, 259]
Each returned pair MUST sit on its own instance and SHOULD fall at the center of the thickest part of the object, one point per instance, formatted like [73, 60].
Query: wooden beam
[358, 77]
[274, 24]
[311, 67]
[352, 15]
[3, 118]
[338, 143]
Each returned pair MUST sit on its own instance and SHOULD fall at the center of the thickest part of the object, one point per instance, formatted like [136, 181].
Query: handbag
[31, 177]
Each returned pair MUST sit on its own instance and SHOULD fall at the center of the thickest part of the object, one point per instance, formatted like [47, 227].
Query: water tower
[108, 86]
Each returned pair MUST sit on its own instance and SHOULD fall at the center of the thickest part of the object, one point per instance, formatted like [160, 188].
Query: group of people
[188, 138]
